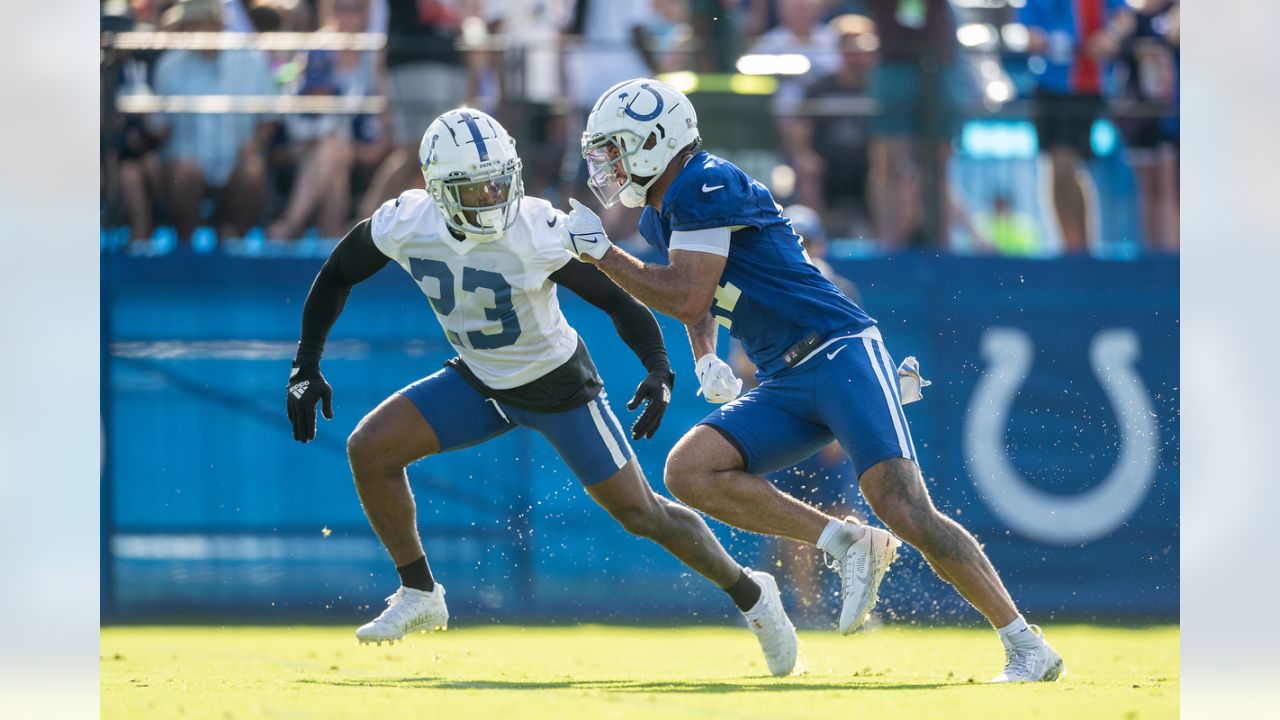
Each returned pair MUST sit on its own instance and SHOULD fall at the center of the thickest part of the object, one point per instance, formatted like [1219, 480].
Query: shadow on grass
[627, 686]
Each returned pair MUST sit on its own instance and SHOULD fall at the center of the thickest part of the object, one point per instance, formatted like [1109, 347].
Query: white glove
[910, 383]
[584, 233]
[719, 384]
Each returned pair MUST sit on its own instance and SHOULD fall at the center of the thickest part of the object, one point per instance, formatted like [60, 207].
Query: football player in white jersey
[490, 259]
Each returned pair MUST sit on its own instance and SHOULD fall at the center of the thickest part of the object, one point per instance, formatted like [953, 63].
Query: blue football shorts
[846, 389]
[588, 438]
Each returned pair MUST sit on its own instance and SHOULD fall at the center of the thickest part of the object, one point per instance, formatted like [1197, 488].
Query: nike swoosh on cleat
[709, 189]
[832, 355]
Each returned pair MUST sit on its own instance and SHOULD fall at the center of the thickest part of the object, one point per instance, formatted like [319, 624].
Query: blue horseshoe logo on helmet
[657, 109]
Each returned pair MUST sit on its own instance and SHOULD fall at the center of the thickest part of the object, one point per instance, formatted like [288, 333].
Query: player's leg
[717, 466]
[628, 497]
[896, 492]
[592, 443]
[438, 413]
[706, 471]
[859, 398]
[382, 445]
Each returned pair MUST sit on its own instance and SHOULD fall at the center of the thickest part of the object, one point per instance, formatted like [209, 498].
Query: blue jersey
[1068, 70]
[770, 295]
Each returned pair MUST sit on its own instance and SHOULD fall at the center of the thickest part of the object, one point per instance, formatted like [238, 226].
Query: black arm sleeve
[354, 260]
[636, 325]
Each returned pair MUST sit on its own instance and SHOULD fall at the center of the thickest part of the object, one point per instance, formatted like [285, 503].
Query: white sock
[1016, 631]
[838, 535]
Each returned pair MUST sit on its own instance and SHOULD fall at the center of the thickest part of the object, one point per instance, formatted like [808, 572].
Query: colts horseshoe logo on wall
[1042, 516]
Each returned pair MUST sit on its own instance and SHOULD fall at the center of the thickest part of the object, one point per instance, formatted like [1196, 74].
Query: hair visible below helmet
[472, 171]
[641, 124]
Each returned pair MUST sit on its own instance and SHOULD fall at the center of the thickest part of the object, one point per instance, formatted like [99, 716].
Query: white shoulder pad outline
[546, 227]
[397, 220]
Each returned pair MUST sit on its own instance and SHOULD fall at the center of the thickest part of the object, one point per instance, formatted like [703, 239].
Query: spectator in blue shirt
[1072, 41]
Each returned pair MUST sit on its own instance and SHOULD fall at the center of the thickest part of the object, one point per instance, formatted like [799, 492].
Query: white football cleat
[769, 621]
[1030, 659]
[408, 610]
[861, 569]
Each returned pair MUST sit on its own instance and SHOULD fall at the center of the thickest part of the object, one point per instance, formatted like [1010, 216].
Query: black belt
[801, 350]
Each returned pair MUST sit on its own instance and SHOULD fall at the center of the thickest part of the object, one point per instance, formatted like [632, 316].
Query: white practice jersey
[494, 300]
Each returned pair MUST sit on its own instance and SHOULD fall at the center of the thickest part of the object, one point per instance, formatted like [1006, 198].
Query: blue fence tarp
[1050, 431]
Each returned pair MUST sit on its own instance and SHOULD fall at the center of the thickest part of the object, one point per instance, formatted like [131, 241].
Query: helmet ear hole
[651, 141]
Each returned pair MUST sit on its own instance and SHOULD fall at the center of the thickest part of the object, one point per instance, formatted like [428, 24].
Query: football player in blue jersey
[731, 257]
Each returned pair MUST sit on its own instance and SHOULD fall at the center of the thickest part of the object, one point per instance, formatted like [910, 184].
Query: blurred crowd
[869, 102]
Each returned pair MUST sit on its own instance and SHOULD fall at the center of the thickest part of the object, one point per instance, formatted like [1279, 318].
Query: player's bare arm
[683, 289]
[702, 335]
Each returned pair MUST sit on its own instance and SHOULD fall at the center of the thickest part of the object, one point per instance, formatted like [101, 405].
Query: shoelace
[1017, 662]
[846, 579]
[831, 561]
[393, 606]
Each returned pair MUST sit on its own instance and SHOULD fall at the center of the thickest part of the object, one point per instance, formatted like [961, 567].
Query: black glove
[656, 388]
[307, 387]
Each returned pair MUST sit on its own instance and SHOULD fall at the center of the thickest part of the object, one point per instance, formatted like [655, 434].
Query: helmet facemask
[605, 156]
[482, 207]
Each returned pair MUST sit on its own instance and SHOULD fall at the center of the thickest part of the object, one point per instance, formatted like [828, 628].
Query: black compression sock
[744, 592]
[417, 575]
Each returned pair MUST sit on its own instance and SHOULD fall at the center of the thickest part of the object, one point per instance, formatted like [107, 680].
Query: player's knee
[358, 447]
[640, 521]
[895, 490]
[363, 449]
[684, 480]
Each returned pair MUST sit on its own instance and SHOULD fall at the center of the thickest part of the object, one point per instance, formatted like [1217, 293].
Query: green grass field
[610, 672]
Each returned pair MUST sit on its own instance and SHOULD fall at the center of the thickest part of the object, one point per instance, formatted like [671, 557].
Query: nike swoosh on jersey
[552, 221]
[705, 188]
[832, 355]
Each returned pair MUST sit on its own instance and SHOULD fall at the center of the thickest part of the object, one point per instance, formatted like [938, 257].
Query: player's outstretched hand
[584, 233]
[307, 387]
[718, 383]
[656, 388]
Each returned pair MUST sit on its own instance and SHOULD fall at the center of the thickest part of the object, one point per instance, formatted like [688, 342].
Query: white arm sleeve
[711, 240]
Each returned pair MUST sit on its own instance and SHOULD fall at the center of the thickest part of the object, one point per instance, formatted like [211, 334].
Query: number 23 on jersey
[473, 279]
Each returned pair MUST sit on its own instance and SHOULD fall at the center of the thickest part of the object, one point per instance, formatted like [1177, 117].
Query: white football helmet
[638, 125]
[472, 172]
